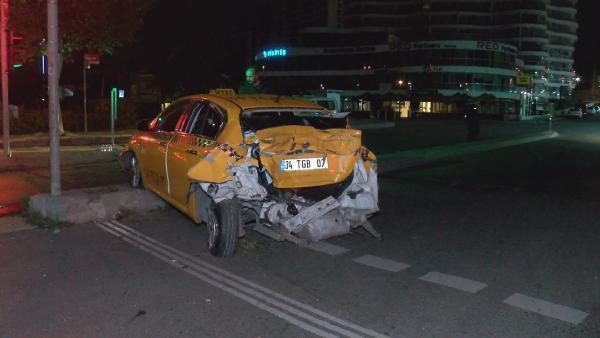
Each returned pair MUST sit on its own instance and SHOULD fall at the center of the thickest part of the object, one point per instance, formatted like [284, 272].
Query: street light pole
[410, 107]
[85, 126]
[53, 96]
[4, 70]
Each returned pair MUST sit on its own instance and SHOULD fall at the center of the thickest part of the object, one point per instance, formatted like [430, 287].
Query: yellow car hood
[340, 146]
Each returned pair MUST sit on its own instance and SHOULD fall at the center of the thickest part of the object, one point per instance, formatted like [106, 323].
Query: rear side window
[207, 120]
[167, 120]
[213, 123]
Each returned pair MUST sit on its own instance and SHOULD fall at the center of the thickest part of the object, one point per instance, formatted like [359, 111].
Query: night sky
[587, 48]
[192, 46]
[213, 40]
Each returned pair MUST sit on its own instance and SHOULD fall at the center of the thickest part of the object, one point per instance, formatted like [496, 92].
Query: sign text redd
[91, 59]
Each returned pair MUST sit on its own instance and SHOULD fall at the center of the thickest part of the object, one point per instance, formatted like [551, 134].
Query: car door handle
[191, 151]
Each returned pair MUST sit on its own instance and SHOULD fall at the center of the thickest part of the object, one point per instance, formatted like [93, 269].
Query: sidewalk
[69, 139]
[421, 157]
[420, 134]
[27, 173]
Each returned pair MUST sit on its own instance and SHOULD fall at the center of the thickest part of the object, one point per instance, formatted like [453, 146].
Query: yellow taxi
[285, 167]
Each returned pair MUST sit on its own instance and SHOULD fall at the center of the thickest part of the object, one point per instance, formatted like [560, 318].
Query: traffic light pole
[4, 70]
[53, 97]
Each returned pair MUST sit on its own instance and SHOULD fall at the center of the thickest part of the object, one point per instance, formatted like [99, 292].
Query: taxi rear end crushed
[284, 167]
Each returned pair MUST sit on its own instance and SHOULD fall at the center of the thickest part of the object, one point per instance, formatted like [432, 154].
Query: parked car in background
[575, 112]
[592, 109]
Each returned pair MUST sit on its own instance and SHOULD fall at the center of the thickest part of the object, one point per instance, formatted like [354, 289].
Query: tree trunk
[61, 127]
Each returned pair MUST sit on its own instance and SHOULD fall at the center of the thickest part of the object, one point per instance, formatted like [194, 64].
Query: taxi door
[187, 148]
[154, 148]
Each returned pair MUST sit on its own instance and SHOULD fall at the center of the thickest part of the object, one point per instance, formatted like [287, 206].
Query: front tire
[223, 226]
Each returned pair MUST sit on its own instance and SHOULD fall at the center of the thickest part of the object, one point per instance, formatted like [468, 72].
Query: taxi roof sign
[222, 92]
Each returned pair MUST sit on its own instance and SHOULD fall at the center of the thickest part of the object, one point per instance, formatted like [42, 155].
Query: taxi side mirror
[143, 125]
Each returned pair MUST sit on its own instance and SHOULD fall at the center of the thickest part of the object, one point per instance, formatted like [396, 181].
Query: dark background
[587, 47]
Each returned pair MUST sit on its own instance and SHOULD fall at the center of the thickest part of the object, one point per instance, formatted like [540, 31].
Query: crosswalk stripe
[381, 263]
[546, 308]
[455, 282]
[327, 248]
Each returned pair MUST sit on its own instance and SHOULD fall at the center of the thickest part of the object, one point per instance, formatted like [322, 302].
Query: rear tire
[135, 175]
[223, 226]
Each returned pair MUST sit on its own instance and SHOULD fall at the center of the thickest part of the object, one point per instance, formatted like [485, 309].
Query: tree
[85, 25]
[209, 43]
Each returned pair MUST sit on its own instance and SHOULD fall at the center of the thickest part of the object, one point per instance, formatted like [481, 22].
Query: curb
[93, 204]
[69, 141]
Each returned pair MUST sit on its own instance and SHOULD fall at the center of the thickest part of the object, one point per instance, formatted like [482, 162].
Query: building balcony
[542, 40]
[456, 69]
[561, 72]
[570, 23]
[568, 60]
[533, 68]
[566, 35]
[565, 9]
[533, 53]
[569, 48]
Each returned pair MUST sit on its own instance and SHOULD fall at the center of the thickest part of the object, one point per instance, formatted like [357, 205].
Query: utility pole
[53, 96]
[4, 70]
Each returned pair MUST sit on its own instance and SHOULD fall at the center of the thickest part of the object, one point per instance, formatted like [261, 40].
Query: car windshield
[255, 120]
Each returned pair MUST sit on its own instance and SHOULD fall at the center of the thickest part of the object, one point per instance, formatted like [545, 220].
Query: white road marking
[327, 248]
[546, 308]
[381, 263]
[298, 313]
[455, 282]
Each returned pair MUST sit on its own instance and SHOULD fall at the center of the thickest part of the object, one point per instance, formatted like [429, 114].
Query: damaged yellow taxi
[285, 167]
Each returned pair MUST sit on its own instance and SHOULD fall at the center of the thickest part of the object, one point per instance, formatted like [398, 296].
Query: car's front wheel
[223, 227]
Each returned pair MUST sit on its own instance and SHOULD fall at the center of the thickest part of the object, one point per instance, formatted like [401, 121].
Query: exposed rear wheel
[223, 226]
[135, 177]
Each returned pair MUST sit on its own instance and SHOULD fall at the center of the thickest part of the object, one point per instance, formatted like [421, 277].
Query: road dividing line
[545, 308]
[292, 311]
[327, 248]
[381, 263]
[455, 282]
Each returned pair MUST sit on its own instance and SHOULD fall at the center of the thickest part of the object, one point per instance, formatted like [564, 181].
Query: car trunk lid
[303, 156]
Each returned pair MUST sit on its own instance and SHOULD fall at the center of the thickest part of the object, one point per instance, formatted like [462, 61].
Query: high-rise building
[512, 57]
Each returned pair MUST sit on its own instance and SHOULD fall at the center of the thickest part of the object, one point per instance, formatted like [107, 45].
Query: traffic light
[16, 52]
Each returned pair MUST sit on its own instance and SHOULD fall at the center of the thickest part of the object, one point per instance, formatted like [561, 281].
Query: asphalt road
[500, 244]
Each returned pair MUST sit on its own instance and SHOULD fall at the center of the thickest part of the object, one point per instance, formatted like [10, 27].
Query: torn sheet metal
[309, 214]
[243, 185]
[363, 192]
[330, 217]
[215, 162]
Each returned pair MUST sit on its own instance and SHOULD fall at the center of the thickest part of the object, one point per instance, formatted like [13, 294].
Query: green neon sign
[269, 53]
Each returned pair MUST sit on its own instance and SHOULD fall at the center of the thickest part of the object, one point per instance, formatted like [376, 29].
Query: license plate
[304, 164]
